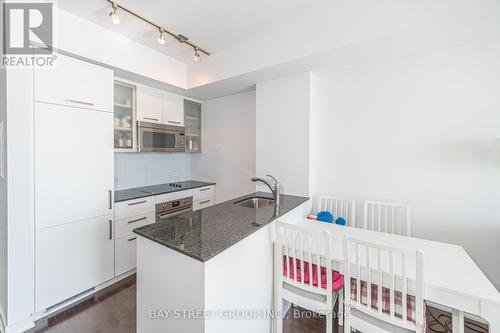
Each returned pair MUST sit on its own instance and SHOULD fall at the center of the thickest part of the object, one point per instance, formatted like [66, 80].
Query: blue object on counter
[340, 221]
[325, 216]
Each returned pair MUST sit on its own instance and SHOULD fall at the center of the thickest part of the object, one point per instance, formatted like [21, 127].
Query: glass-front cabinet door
[192, 124]
[125, 124]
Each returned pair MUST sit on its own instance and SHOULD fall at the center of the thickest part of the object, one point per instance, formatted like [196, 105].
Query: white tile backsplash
[142, 169]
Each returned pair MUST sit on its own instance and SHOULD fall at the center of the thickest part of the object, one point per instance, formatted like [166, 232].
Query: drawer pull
[174, 122]
[204, 202]
[205, 189]
[132, 239]
[134, 221]
[78, 102]
[110, 199]
[153, 119]
[137, 203]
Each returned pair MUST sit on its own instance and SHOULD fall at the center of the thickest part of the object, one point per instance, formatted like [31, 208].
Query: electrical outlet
[175, 173]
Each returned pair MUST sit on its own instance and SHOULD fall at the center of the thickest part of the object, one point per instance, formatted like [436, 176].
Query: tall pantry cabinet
[74, 179]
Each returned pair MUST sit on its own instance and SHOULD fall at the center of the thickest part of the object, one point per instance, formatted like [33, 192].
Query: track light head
[196, 55]
[162, 40]
[114, 15]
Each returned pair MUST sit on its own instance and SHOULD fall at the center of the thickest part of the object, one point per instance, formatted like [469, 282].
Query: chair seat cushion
[386, 297]
[338, 279]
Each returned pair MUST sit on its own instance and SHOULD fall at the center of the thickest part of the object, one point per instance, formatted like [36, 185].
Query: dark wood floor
[112, 310]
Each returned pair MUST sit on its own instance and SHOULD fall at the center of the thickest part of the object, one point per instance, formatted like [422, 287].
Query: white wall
[86, 39]
[141, 169]
[417, 130]
[282, 129]
[228, 156]
[3, 191]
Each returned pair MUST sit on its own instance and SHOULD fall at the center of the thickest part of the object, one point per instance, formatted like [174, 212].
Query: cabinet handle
[204, 202]
[78, 102]
[134, 221]
[132, 239]
[110, 199]
[174, 122]
[153, 119]
[110, 229]
[205, 189]
[137, 203]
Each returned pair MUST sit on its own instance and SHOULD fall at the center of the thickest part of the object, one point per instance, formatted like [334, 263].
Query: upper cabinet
[149, 105]
[173, 110]
[159, 107]
[192, 121]
[76, 83]
[125, 123]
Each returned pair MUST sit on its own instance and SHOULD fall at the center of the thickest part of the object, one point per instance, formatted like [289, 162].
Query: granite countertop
[147, 191]
[205, 233]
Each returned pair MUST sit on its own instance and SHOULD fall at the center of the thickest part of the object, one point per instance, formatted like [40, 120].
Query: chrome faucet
[275, 189]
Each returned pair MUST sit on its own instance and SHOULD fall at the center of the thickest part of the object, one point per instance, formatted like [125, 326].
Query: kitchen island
[211, 270]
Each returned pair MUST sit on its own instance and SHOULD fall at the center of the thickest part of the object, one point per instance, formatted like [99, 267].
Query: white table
[451, 278]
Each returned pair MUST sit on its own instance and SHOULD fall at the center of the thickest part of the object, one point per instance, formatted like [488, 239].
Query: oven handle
[175, 213]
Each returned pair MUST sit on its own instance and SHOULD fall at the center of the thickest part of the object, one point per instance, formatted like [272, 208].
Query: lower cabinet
[130, 215]
[125, 255]
[203, 203]
[73, 258]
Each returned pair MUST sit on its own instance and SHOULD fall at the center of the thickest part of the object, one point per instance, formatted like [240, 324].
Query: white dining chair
[383, 288]
[303, 272]
[340, 207]
[387, 217]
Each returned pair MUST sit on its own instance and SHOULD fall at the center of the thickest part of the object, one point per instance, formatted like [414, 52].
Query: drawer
[173, 196]
[203, 203]
[125, 254]
[127, 209]
[203, 192]
[124, 227]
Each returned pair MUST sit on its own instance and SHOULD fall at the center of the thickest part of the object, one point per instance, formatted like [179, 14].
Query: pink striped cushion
[338, 279]
[386, 296]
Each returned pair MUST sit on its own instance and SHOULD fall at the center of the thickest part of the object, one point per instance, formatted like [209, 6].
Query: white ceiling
[214, 25]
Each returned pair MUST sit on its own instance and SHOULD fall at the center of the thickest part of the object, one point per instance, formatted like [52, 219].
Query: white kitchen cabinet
[203, 192]
[72, 258]
[125, 257]
[129, 215]
[125, 117]
[126, 226]
[149, 104]
[75, 83]
[193, 126]
[203, 203]
[173, 109]
[74, 164]
[135, 207]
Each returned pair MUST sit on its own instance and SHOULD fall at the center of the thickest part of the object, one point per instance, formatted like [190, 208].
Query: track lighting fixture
[196, 55]
[114, 15]
[162, 38]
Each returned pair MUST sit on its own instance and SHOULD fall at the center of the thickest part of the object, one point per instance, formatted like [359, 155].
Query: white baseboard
[61, 307]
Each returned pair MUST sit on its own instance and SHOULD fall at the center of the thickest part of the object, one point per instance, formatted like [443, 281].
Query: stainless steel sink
[256, 202]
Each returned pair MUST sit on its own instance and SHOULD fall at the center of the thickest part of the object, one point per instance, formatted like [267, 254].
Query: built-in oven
[160, 138]
[169, 209]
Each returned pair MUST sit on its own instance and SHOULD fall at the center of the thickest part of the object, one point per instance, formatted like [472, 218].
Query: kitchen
[183, 172]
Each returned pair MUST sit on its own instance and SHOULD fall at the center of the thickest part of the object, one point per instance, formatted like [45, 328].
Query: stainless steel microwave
[160, 138]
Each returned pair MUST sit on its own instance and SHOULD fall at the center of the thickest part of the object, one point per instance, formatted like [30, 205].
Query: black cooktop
[146, 191]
